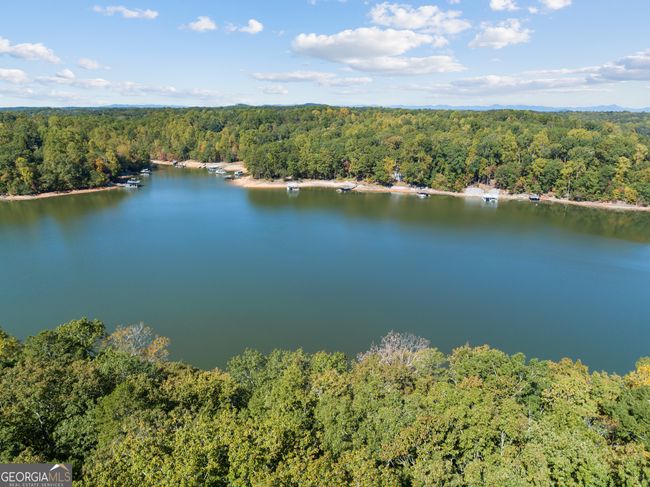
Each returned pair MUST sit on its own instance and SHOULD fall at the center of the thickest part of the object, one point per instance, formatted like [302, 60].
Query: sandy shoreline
[250, 182]
[362, 187]
[191, 164]
[54, 194]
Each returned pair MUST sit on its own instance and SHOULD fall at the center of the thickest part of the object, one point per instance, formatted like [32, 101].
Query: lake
[219, 269]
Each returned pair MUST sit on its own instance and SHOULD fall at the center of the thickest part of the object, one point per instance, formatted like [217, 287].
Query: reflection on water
[218, 268]
[463, 212]
[62, 209]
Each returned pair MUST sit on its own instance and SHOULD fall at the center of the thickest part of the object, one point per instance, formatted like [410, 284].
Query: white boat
[492, 196]
[292, 187]
[422, 195]
[132, 183]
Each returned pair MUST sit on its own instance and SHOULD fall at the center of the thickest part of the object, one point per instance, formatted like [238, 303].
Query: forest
[578, 156]
[400, 414]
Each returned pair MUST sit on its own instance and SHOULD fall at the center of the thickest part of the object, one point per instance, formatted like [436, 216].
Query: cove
[219, 269]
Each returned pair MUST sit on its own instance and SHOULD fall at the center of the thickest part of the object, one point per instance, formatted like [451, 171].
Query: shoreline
[192, 164]
[54, 194]
[362, 187]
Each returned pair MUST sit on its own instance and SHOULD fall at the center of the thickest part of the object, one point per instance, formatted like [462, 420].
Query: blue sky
[352, 52]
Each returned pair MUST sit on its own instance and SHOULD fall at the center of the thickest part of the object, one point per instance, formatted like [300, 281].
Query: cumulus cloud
[401, 65]
[15, 76]
[318, 77]
[359, 43]
[89, 64]
[126, 13]
[501, 34]
[28, 51]
[201, 24]
[427, 18]
[635, 67]
[493, 84]
[499, 5]
[252, 27]
[556, 4]
[67, 77]
[375, 50]
[130, 88]
[66, 74]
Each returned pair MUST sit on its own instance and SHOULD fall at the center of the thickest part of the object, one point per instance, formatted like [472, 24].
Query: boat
[492, 196]
[229, 176]
[422, 195]
[293, 187]
[239, 174]
[221, 171]
[146, 172]
[132, 183]
[534, 197]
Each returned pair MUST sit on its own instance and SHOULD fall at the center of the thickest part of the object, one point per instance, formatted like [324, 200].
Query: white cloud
[126, 12]
[500, 35]
[400, 65]
[319, 77]
[65, 74]
[28, 51]
[375, 50]
[67, 77]
[252, 27]
[275, 90]
[427, 18]
[16, 76]
[359, 43]
[90, 64]
[635, 67]
[556, 4]
[92, 83]
[533, 10]
[493, 84]
[201, 24]
[499, 5]
[130, 88]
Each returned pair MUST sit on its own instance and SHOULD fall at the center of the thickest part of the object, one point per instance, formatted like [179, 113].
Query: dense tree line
[401, 414]
[582, 156]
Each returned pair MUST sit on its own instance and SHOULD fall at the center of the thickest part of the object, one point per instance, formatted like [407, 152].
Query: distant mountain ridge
[475, 108]
[534, 108]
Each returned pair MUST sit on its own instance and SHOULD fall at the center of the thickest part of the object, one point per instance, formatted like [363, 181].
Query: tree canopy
[401, 414]
[581, 156]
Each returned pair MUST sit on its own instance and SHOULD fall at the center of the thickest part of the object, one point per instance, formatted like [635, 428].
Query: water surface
[219, 269]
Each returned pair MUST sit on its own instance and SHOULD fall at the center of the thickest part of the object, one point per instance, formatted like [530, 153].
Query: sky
[342, 52]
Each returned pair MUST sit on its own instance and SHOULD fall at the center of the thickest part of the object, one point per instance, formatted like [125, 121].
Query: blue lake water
[219, 269]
